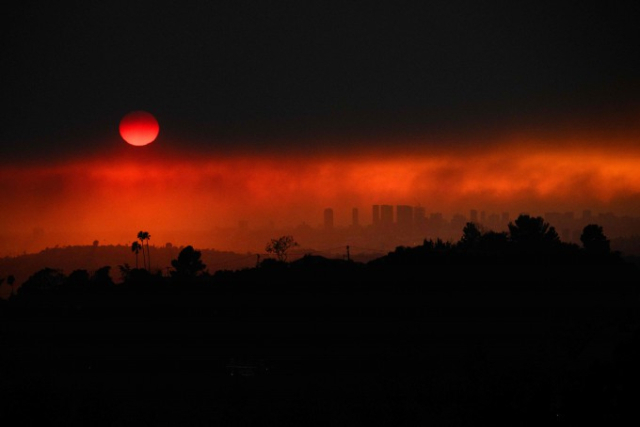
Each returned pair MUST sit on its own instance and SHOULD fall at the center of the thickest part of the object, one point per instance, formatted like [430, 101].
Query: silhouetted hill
[492, 329]
[70, 258]
[319, 342]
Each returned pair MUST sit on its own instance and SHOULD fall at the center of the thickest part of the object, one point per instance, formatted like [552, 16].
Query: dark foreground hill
[494, 330]
[326, 342]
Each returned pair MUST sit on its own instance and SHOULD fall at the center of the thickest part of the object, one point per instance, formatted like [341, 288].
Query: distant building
[586, 215]
[419, 216]
[328, 218]
[386, 214]
[404, 216]
[553, 218]
[473, 216]
[606, 216]
[483, 218]
[458, 222]
[436, 220]
[494, 221]
[376, 214]
[505, 217]
[354, 217]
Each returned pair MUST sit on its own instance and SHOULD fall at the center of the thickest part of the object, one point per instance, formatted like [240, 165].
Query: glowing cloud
[111, 197]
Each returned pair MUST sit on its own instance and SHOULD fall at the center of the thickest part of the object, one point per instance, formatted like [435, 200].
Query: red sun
[139, 128]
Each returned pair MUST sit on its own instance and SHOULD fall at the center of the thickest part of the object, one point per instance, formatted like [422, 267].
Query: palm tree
[142, 236]
[147, 237]
[135, 247]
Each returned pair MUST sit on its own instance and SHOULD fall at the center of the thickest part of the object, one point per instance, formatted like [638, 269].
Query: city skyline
[415, 224]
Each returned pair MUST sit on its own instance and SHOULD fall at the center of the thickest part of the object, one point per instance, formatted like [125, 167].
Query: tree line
[530, 240]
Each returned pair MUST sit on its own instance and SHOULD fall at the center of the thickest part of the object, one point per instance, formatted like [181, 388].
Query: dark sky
[264, 75]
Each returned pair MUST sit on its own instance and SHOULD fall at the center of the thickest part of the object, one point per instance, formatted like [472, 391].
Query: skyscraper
[419, 216]
[386, 214]
[404, 216]
[376, 214]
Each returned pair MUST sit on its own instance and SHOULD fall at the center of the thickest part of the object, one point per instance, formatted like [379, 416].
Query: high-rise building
[458, 221]
[354, 217]
[386, 214]
[586, 215]
[376, 214]
[494, 221]
[419, 216]
[404, 216]
[553, 218]
[436, 221]
[473, 216]
[328, 218]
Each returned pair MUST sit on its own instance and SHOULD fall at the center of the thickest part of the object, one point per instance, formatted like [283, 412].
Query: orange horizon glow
[104, 196]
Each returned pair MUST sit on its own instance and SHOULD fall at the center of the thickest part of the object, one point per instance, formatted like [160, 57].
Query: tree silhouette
[493, 242]
[101, 278]
[142, 236]
[42, 282]
[147, 238]
[471, 236]
[125, 271]
[594, 241]
[280, 247]
[533, 233]
[135, 247]
[188, 264]
[144, 255]
[78, 280]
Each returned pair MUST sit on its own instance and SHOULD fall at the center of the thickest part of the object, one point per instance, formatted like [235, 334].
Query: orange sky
[107, 197]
